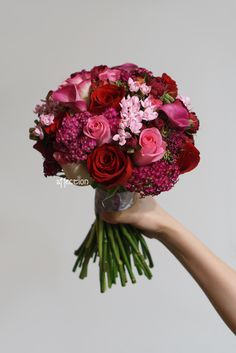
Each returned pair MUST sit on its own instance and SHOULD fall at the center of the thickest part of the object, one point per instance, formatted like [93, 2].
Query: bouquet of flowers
[125, 131]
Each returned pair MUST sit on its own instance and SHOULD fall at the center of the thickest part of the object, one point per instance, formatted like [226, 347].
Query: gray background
[44, 306]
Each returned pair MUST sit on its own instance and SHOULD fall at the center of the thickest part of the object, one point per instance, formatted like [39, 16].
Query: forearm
[216, 278]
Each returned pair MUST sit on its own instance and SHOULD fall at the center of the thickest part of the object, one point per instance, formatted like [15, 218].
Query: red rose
[106, 96]
[194, 123]
[189, 157]
[109, 166]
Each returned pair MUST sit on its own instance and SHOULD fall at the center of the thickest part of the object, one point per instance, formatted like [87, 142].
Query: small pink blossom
[109, 74]
[38, 132]
[98, 128]
[186, 100]
[121, 136]
[152, 147]
[131, 113]
[150, 101]
[46, 119]
[145, 89]
[149, 114]
[133, 85]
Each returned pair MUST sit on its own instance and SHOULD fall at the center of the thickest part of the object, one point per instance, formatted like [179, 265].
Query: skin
[216, 278]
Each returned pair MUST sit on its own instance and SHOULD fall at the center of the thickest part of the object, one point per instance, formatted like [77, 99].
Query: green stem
[99, 232]
[123, 254]
[129, 237]
[116, 254]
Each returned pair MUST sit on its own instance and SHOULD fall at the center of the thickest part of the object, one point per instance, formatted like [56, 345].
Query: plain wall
[44, 306]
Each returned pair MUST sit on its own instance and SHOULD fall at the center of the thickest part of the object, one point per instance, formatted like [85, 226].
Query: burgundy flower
[194, 122]
[189, 157]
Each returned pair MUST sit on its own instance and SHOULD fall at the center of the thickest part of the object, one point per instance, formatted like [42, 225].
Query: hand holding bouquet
[125, 131]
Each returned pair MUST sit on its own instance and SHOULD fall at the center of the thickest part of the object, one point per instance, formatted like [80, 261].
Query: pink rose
[152, 147]
[75, 90]
[177, 113]
[98, 128]
[109, 74]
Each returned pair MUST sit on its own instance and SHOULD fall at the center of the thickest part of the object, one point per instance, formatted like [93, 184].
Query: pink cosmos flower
[46, 119]
[74, 90]
[98, 128]
[177, 113]
[152, 147]
[109, 74]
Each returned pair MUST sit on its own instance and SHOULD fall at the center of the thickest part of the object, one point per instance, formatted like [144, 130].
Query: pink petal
[81, 105]
[127, 67]
[65, 94]
[177, 113]
[83, 89]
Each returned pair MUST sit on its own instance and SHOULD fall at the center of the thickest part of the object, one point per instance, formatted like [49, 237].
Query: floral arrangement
[131, 132]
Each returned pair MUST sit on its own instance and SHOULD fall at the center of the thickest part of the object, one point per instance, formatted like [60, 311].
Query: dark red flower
[96, 70]
[158, 87]
[109, 166]
[106, 96]
[52, 129]
[161, 85]
[50, 165]
[194, 123]
[189, 157]
[170, 85]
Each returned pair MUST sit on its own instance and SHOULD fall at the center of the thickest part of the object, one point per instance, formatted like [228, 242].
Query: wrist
[169, 229]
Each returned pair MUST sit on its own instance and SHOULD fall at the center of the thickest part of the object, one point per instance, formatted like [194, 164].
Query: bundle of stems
[118, 247]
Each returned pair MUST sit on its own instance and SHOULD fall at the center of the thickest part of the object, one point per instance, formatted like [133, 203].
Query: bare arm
[216, 278]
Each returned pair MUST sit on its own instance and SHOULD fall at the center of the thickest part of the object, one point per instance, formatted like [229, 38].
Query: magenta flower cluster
[154, 178]
[70, 139]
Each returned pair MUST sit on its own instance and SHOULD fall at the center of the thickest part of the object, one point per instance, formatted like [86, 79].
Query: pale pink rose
[152, 147]
[74, 91]
[98, 128]
[109, 74]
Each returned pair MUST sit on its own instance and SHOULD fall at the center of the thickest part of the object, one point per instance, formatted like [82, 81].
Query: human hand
[145, 214]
